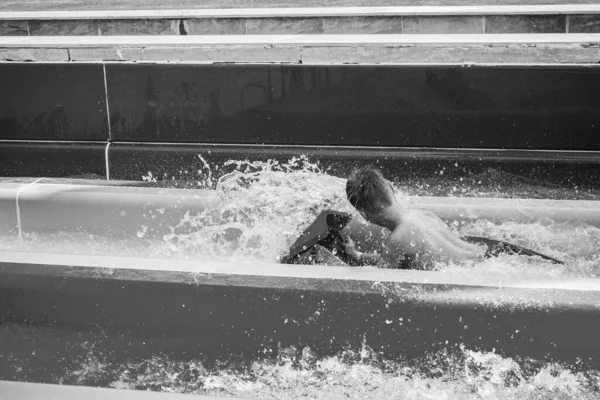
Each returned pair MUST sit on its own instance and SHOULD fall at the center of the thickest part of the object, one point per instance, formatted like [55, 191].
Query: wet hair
[367, 189]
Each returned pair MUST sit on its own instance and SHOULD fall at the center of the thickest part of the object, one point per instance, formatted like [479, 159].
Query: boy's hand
[349, 247]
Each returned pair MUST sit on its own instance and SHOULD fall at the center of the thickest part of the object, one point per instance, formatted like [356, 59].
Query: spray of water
[267, 204]
[455, 373]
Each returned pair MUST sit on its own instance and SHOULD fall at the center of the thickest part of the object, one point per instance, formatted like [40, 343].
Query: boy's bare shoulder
[396, 250]
[396, 244]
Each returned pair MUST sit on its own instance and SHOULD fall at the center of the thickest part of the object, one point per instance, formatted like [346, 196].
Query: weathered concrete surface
[13, 28]
[584, 24]
[442, 24]
[85, 5]
[220, 309]
[304, 12]
[297, 40]
[280, 26]
[363, 25]
[313, 49]
[212, 54]
[34, 54]
[317, 20]
[525, 24]
[105, 54]
[135, 27]
[63, 28]
[498, 54]
[214, 26]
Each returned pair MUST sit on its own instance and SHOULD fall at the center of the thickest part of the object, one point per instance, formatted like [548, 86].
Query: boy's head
[368, 191]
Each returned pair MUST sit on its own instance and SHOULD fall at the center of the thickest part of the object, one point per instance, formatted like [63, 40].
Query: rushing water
[265, 206]
[457, 373]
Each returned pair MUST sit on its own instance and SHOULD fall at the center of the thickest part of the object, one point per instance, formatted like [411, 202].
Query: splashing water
[575, 243]
[468, 375]
[457, 373]
[266, 205]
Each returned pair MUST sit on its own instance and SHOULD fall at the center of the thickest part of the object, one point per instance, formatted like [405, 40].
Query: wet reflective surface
[403, 106]
[52, 101]
[53, 159]
[427, 106]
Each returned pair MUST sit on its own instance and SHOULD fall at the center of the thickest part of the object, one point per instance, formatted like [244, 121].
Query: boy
[418, 238]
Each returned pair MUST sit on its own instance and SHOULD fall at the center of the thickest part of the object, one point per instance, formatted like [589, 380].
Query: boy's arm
[364, 258]
[396, 255]
[404, 261]
[367, 258]
[393, 256]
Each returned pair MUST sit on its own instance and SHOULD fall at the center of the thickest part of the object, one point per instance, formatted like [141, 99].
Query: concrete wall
[84, 5]
[509, 108]
[568, 21]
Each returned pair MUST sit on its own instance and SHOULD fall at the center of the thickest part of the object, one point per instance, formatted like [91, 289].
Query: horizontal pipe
[121, 210]
[292, 12]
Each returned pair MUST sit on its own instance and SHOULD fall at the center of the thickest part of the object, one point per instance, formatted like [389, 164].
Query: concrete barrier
[117, 210]
[84, 5]
[569, 18]
[393, 49]
[179, 307]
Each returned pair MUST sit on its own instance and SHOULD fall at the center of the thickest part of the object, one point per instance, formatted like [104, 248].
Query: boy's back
[421, 239]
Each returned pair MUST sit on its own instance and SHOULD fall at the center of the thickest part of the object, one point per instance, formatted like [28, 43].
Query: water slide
[160, 166]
